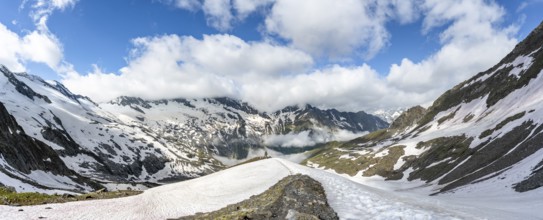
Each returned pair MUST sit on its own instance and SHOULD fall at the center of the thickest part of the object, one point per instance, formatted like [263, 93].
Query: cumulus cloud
[319, 27]
[221, 14]
[267, 76]
[39, 45]
[246, 7]
[325, 28]
[35, 46]
[471, 30]
[171, 66]
[271, 76]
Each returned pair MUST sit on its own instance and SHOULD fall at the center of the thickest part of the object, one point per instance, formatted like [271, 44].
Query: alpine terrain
[482, 138]
[180, 130]
[54, 139]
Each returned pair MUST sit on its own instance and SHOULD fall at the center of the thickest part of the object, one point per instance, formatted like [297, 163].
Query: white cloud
[473, 30]
[266, 75]
[301, 139]
[309, 138]
[42, 9]
[272, 76]
[246, 7]
[171, 66]
[35, 46]
[186, 4]
[10, 44]
[325, 28]
[39, 45]
[221, 14]
[319, 27]
[42, 48]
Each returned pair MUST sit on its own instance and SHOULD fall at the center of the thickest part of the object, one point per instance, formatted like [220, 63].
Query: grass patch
[439, 157]
[447, 117]
[468, 118]
[501, 125]
[11, 197]
[368, 162]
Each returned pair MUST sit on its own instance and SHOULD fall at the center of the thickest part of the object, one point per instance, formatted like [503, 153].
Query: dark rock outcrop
[26, 154]
[22, 87]
[294, 197]
[408, 118]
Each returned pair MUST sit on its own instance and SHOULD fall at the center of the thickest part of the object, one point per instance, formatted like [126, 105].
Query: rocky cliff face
[29, 161]
[484, 131]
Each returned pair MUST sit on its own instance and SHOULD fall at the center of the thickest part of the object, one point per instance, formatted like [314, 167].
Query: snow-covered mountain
[389, 115]
[54, 139]
[231, 128]
[483, 136]
[90, 141]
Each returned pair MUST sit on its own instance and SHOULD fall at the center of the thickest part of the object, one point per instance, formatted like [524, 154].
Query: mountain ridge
[111, 148]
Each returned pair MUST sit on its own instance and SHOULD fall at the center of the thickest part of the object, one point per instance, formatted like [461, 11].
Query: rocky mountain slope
[231, 128]
[88, 140]
[54, 139]
[485, 133]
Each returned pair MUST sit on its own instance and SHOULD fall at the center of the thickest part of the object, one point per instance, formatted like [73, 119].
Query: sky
[350, 54]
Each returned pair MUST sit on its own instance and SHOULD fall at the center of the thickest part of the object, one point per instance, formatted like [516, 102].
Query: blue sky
[93, 47]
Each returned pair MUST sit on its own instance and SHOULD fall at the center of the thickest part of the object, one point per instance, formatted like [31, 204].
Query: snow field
[349, 199]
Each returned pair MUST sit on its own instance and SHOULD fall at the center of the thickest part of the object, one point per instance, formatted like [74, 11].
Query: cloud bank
[285, 68]
[309, 138]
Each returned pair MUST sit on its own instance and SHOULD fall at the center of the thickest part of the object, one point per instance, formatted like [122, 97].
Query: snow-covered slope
[231, 128]
[90, 141]
[130, 140]
[484, 136]
[349, 199]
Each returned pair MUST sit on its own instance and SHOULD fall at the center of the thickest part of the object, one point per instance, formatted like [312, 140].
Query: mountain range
[480, 143]
[53, 139]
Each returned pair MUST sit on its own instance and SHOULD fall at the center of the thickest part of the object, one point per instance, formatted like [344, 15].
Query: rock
[294, 197]
[66, 195]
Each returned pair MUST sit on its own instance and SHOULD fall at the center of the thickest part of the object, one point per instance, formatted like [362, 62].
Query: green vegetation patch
[371, 139]
[442, 155]
[384, 166]
[501, 124]
[447, 117]
[9, 196]
[354, 161]
[468, 118]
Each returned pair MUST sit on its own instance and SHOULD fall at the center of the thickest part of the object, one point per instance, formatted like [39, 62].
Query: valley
[245, 110]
